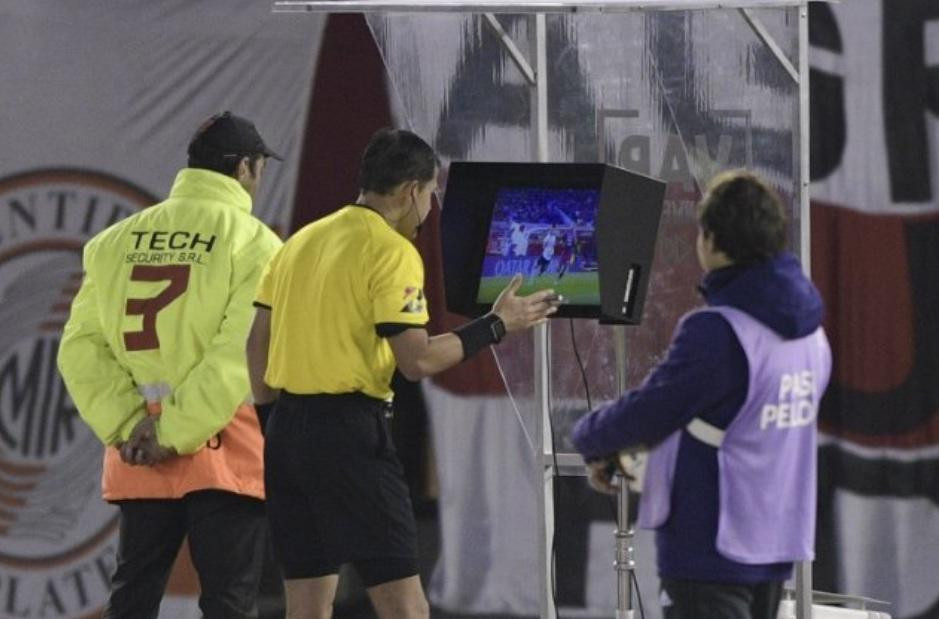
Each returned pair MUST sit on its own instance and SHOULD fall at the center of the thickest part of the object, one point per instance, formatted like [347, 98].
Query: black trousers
[693, 599]
[227, 540]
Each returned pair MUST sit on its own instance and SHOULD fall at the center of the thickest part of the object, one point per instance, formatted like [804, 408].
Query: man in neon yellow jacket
[153, 357]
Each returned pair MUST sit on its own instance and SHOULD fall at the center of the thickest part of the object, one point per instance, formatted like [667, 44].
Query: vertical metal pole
[804, 569]
[541, 89]
[545, 471]
[539, 119]
[804, 590]
[805, 215]
[624, 563]
[619, 352]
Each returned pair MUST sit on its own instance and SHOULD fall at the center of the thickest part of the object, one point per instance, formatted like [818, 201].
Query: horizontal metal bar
[518, 6]
[568, 465]
[823, 597]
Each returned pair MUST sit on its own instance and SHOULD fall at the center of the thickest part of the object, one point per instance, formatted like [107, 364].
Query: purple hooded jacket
[705, 374]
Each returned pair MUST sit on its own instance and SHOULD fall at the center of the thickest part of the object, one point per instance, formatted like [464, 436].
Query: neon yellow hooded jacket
[163, 313]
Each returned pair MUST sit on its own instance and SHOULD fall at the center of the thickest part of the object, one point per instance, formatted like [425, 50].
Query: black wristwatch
[496, 327]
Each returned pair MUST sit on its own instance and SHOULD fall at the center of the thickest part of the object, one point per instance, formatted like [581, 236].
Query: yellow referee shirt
[334, 290]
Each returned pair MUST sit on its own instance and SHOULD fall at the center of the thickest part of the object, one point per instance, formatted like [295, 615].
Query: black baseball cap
[225, 134]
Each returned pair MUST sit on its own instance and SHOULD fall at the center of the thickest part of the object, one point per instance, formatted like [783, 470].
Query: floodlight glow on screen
[549, 236]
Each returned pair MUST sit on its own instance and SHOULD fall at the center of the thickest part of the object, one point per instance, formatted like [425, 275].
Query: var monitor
[585, 230]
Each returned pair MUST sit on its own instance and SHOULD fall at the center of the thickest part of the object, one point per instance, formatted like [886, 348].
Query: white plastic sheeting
[680, 95]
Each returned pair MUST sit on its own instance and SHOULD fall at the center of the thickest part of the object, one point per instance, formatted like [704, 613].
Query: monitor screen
[548, 234]
[586, 230]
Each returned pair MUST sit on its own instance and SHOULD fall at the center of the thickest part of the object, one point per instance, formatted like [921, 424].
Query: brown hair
[744, 217]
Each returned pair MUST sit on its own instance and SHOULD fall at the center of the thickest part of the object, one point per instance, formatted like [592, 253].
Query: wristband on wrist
[480, 333]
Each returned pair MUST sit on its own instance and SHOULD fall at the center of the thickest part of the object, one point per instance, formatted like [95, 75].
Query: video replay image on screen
[549, 236]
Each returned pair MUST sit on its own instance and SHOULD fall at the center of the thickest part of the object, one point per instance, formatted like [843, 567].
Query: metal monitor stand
[625, 563]
[536, 77]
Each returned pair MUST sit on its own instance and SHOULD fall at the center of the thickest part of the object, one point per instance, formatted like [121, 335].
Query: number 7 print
[178, 276]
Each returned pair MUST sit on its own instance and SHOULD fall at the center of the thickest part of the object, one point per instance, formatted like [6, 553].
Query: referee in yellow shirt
[339, 307]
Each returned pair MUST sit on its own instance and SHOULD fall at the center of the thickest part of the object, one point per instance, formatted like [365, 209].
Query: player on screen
[547, 250]
[519, 240]
[567, 254]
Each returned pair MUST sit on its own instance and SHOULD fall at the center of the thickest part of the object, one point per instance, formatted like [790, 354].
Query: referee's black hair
[395, 156]
[744, 216]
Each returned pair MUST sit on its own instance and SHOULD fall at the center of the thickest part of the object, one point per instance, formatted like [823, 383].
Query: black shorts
[336, 491]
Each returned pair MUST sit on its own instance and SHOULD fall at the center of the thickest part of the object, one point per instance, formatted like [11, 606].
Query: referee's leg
[311, 598]
[400, 599]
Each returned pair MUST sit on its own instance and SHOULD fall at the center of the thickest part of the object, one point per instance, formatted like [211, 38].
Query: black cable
[642, 612]
[583, 375]
[557, 468]
[554, 496]
[580, 364]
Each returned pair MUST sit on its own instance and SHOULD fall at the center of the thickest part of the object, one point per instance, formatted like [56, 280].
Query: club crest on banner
[57, 537]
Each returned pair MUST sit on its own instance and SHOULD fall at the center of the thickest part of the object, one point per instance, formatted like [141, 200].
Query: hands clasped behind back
[522, 312]
[142, 447]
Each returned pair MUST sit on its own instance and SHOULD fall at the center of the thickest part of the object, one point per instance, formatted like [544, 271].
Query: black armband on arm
[391, 329]
[480, 333]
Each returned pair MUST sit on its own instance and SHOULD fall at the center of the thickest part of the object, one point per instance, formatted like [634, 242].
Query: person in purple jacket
[730, 417]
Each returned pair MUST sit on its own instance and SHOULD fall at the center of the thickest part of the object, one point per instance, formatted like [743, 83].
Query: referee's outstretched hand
[518, 313]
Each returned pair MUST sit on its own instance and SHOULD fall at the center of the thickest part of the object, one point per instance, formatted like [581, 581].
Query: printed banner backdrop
[875, 246]
[99, 100]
